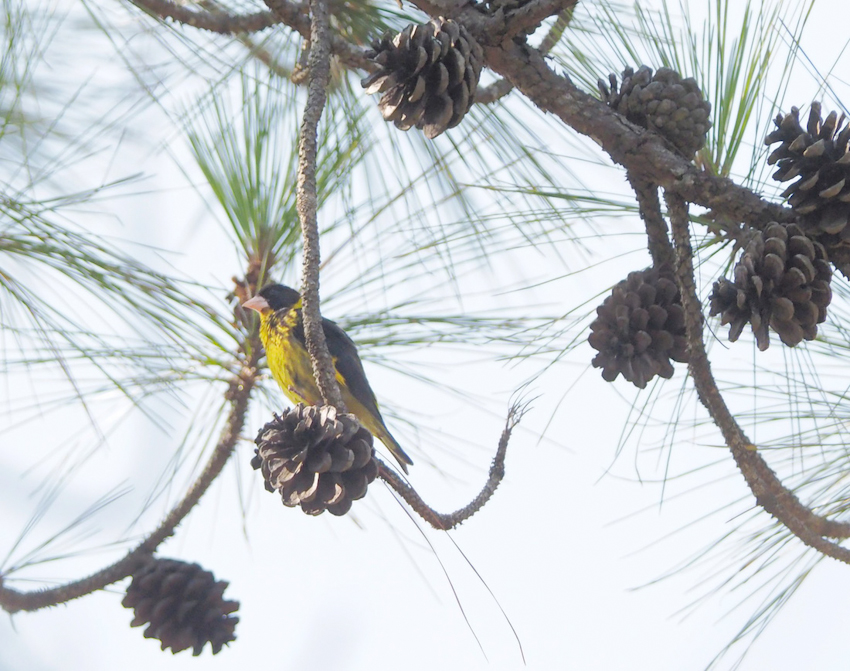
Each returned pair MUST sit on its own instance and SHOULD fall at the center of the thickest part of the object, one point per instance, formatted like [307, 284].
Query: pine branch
[502, 87]
[217, 22]
[769, 491]
[296, 16]
[447, 521]
[533, 13]
[657, 236]
[641, 152]
[565, 18]
[293, 14]
[307, 204]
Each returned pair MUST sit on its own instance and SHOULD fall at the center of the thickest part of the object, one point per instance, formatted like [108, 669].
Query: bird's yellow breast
[288, 359]
[289, 362]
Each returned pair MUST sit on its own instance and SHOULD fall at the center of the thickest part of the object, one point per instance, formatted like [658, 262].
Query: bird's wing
[348, 365]
[347, 362]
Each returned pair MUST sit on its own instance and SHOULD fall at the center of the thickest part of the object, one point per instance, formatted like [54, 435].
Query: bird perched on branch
[282, 333]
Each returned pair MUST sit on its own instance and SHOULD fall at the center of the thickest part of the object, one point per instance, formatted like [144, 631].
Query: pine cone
[183, 604]
[316, 459]
[639, 328]
[428, 75]
[666, 103]
[782, 280]
[818, 155]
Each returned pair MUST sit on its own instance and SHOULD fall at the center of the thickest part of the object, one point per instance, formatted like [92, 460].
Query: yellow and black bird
[282, 333]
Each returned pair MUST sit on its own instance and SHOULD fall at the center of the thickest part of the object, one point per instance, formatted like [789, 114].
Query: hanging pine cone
[782, 280]
[639, 328]
[183, 604]
[428, 75]
[819, 156]
[316, 458]
[664, 102]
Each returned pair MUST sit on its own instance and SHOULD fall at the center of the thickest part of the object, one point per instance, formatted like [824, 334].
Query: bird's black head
[280, 296]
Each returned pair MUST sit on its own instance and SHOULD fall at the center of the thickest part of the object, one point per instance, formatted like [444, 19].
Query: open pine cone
[316, 459]
[663, 102]
[182, 604]
[428, 75]
[639, 328]
[782, 280]
[819, 156]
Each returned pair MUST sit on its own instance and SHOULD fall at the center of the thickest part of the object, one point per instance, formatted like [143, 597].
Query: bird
[282, 334]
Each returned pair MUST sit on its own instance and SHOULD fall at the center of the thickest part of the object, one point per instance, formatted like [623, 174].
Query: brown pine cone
[782, 280]
[663, 102]
[182, 604]
[316, 459]
[819, 156]
[639, 328]
[428, 75]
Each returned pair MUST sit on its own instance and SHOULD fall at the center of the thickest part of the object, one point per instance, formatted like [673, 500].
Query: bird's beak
[257, 303]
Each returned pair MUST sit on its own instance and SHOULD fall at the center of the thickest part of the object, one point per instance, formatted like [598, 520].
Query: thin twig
[216, 22]
[447, 521]
[239, 393]
[769, 491]
[307, 204]
[657, 236]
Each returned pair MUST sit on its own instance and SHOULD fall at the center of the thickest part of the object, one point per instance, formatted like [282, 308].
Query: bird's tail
[386, 438]
[370, 417]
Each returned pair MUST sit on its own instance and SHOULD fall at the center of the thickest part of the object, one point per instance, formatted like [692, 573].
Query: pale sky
[560, 561]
